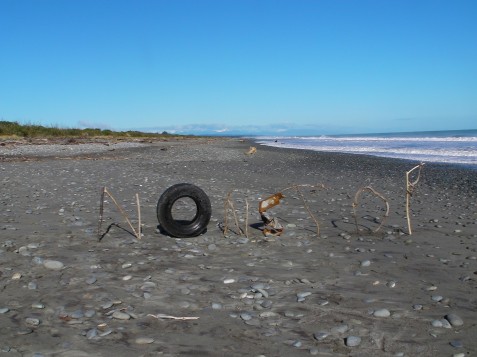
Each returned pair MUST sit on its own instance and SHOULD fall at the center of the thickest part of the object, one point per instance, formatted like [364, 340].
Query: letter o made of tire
[184, 228]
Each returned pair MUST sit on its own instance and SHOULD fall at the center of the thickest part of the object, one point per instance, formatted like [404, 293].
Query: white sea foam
[447, 147]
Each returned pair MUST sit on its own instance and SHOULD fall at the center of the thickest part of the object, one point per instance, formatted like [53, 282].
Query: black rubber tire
[184, 229]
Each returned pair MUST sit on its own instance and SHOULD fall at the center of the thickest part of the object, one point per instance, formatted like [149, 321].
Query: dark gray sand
[65, 293]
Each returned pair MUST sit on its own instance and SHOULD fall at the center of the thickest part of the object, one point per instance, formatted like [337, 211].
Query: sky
[240, 67]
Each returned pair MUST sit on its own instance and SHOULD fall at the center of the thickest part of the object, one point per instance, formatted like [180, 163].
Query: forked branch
[410, 186]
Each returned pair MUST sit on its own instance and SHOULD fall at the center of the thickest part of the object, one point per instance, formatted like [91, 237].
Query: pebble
[441, 323]
[252, 322]
[229, 281]
[91, 280]
[4, 310]
[365, 263]
[144, 340]
[105, 333]
[353, 341]
[121, 315]
[107, 305]
[53, 264]
[263, 292]
[287, 264]
[91, 333]
[320, 336]
[89, 313]
[454, 319]
[37, 260]
[437, 298]
[216, 306]
[245, 316]
[259, 286]
[32, 321]
[267, 304]
[25, 331]
[16, 276]
[268, 314]
[391, 284]
[381, 313]
[456, 343]
[340, 329]
[303, 295]
[78, 314]
[297, 344]
[32, 285]
[446, 324]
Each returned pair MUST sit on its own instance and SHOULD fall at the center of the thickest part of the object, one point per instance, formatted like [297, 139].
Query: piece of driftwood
[246, 217]
[355, 206]
[297, 188]
[230, 207]
[251, 151]
[410, 186]
[104, 191]
[272, 226]
[169, 317]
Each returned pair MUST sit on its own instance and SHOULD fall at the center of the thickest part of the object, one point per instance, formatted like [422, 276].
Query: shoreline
[449, 160]
[345, 290]
[411, 161]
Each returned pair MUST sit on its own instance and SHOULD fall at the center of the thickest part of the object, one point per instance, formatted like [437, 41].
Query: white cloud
[279, 129]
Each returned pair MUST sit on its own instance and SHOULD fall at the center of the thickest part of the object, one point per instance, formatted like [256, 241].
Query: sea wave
[369, 138]
[452, 149]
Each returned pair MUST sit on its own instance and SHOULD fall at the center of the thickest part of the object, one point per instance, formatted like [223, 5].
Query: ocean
[451, 147]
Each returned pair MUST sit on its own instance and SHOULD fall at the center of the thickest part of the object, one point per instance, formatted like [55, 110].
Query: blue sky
[271, 67]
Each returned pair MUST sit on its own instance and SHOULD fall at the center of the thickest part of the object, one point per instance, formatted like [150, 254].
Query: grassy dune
[14, 129]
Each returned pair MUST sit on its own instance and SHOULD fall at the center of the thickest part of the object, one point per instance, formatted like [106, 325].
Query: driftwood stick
[121, 210]
[246, 217]
[232, 207]
[409, 190]
[226, 213]
[169, 317]
[308, 210]
[355, 205]
[139, 217]
[303, 185]
[101, 208]
[229, 206]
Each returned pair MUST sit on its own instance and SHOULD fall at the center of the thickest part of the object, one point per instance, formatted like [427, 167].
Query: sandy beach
[326, 290]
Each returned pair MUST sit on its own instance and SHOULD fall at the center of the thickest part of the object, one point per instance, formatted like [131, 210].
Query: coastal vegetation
[14, 129]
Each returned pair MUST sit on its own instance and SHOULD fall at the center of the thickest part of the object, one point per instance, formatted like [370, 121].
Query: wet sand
[342, 292]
